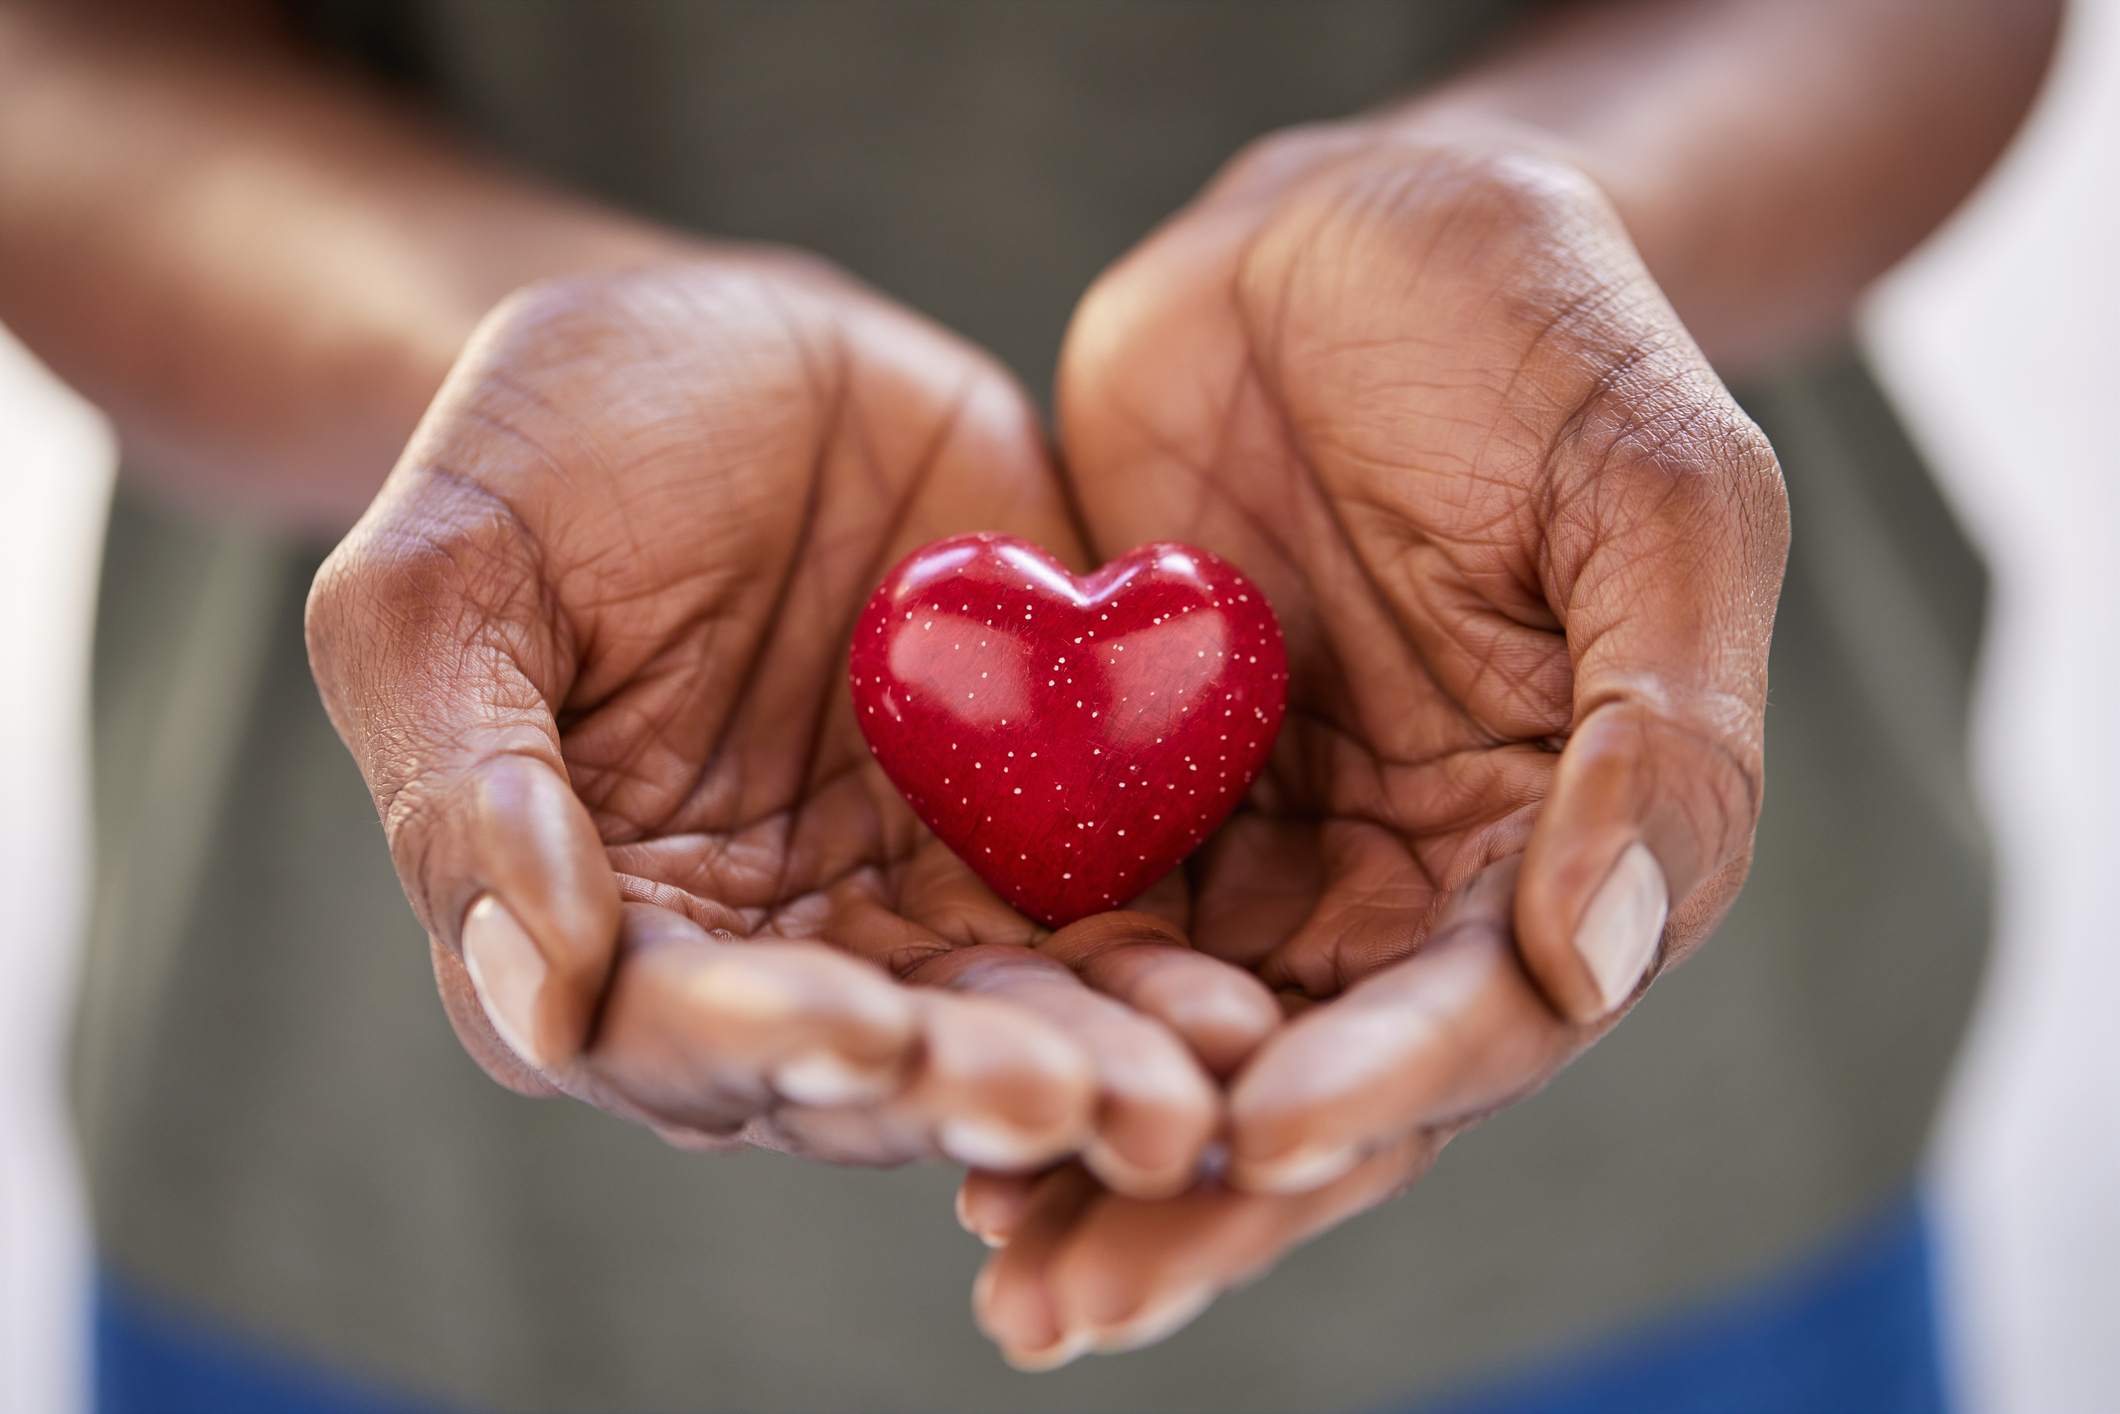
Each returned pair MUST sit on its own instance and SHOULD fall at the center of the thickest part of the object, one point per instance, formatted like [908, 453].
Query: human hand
[589, 649]
[1525, 551]
[1396, 1066]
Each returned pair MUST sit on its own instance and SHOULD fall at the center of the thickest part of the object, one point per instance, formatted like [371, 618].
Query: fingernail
[1619, 932]
[1302, 1170]
[740, 987]
[1158, 1322]
[1032, 1359]
[824, 1078]
[987, 1146]
[508, 973]
[1064, 1351]
[969, 1221]
[1122, 1175]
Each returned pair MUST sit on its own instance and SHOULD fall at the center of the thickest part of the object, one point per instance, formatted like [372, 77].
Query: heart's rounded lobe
[1071, 739]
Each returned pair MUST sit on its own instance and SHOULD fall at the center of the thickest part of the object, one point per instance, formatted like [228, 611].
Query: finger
[797, 1046]
[1452, 1032]
[704, 1033]
[538, 935]
[945, 929]
[1129, 1273]
[467, 1016]
[1641, 812]
[873, 1136]
[439, 663]
[995, 1085]
[699, 1141]
[1668, 558]
[1134, 1273]
[1222, 1012]
[1156, 1109]
[999, 1086]
[991, 1206]
[1011, 1300]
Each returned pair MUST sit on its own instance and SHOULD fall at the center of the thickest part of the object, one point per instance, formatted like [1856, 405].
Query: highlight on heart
[1071, 739]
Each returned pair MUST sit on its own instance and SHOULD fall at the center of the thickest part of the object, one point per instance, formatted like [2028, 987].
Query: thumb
[1669, 591]
[540, 927]
[438, 659]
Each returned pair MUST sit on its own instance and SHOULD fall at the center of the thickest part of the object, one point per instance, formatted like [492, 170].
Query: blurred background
[1997, 343]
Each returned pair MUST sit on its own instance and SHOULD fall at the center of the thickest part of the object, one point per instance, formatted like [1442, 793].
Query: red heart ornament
[1071, 739]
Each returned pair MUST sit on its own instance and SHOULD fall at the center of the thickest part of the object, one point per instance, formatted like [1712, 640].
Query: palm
[704, 712]
[1376, 484]
[629, 545]
[1525, 551]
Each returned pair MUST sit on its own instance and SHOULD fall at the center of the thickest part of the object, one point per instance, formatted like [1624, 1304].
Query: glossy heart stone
[1071, 739]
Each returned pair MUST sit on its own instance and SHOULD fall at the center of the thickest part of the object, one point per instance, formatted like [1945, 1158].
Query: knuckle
[432, 614]
[456, 556]
[767, 297]
[1273, 159]
[1516, 262]
[1515, 196]
[1656, 454]
[1512, 218]
[594, 372]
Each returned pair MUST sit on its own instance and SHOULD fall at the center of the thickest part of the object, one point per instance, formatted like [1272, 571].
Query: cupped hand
[1525, 550]
[1393, 1068]
[589, 648]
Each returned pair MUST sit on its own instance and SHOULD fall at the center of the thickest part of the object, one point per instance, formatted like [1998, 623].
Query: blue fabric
[1851, 1332]
[152, 1360]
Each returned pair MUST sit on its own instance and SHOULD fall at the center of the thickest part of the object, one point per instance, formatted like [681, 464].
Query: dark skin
[845, 433]
[1443, 379]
